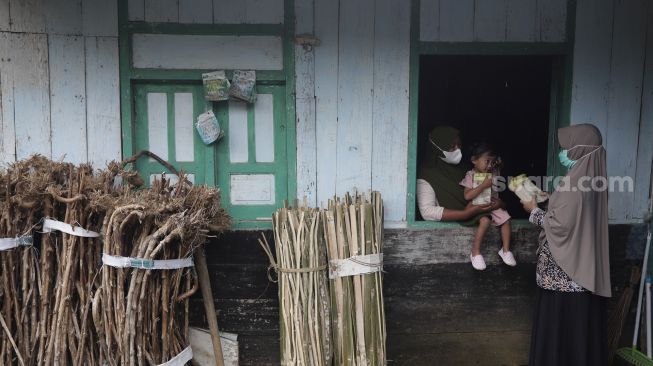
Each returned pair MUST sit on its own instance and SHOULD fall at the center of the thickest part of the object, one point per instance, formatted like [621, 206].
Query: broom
[618, 316]
[631, 354]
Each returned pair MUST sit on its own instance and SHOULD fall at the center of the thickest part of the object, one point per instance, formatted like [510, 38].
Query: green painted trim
[491, 48]
[264, 77]
[291, 118]
[206, 29]
[413, 111]
[251, 135]
[124, 49]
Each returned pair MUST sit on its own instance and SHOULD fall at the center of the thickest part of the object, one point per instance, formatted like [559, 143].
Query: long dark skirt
[569, 328]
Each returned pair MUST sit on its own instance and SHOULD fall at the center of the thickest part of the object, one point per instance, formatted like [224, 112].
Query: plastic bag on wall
[208, 127]
[243, 86]
[216, 86]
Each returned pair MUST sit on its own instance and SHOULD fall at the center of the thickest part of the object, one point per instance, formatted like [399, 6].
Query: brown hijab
[576, 223]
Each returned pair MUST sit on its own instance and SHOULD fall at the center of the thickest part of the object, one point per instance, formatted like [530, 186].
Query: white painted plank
[645, 148]
[429, 20]
[326, 98]
[628, 48]
[184, 131]
[64, 17]
[68, 98]
[355, 100]
[391, 86]
[456, 20]
[521, 18]
[552, 20]
[229, 11]
[31, 94]
[27, 16]
[4, 15]
[252, 189]
[208, 52]
[7, 128]
[490, 20]
[102, 100]
[196, 11]
[264, 128]
[591, 70]
[100, 17]
[264, 11]
[136, 10]
[162, 11]
[157, 124]
[238, 142]
[305, 105]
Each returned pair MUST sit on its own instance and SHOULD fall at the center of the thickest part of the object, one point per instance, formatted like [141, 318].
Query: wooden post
[207, 295]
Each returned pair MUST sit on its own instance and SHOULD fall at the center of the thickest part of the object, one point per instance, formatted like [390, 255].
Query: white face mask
[450, 157]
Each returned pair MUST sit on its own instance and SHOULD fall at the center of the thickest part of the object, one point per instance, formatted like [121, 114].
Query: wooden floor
[437, 313]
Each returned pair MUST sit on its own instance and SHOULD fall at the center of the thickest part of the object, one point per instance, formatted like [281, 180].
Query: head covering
[443, 177]
[576, 223]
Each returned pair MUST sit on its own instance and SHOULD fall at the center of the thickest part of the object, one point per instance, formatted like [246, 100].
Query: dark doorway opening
[503, 100]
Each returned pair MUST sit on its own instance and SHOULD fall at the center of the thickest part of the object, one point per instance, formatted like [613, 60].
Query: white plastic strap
[181, 359]
[51, 225]
[358, 264]
[10, 243]
[126, 262]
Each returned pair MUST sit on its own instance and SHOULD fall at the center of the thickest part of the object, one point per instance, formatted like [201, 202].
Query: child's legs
[500, 217]
[483, 224]
[505, 236]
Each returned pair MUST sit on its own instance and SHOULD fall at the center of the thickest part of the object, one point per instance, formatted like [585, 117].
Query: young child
[485, 160]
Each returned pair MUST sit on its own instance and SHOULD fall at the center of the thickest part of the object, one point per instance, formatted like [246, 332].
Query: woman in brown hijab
[573, 267]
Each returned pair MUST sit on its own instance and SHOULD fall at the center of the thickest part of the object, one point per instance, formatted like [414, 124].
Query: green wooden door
[252, 158]
[165, 115]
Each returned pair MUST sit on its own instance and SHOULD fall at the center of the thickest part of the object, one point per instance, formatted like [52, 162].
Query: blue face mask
[564, 159]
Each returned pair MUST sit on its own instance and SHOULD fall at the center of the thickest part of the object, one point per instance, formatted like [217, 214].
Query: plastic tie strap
[11, 243]
[356, 265]
[50, 225]
[141, 263]
[180, 359]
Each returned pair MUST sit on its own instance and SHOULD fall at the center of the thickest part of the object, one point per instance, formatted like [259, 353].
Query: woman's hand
[529, 205]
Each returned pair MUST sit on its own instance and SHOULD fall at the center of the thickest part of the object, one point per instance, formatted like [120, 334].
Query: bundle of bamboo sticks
[353, 304]
[58, 304]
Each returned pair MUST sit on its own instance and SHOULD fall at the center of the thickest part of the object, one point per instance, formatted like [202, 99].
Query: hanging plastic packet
[208, 127]
[216, 86]
[243, 86]
[525, 189]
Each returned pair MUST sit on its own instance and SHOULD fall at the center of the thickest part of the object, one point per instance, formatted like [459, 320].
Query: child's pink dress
[499, 216]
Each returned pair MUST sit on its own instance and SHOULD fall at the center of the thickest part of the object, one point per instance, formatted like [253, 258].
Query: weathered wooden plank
[136, 9]
[171, 51]
[326, 97]
[4, 15]
[355, 98]
[229, 11]
[429, 20]
[68, 98]
[184, 131]
[238, 142]
[643, 188]
[628, 50]
[552, 20]
[242, 281]
[305, 105]
[196, 11]
[31, 94]
[162, 11]
[390, 105]
[252, 316]
[7, 126]
[490, 20]
[27, 16]
[64, 17]
[102, 100]
[100, 17]
[264, 11]
[456, 20]
[264, 128]
[521, 20]
[591, 70]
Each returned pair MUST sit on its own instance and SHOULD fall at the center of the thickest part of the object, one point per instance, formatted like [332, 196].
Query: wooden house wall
[59, 91]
